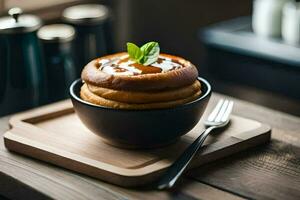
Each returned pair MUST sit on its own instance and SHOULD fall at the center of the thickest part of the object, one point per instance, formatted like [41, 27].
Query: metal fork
[218, 118]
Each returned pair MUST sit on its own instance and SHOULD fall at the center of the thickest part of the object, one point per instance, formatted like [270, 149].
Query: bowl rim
[201, 97]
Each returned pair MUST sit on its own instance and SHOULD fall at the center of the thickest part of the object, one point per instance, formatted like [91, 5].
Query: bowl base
[135, 146]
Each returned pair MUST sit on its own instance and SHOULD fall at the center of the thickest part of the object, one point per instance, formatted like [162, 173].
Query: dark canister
[21, 70]
[93, 31]
[56, 41]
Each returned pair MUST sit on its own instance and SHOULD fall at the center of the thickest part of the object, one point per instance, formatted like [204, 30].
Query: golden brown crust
[145, 82]
[87, 95]
[145, 97]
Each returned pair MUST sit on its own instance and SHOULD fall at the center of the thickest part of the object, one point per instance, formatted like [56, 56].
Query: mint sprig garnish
[145, 55]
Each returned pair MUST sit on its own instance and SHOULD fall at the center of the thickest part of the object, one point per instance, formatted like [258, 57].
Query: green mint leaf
[145, 55]
[150, 52]
[134, 52]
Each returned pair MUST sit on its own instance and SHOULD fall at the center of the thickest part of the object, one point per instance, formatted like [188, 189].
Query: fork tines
[221, 112]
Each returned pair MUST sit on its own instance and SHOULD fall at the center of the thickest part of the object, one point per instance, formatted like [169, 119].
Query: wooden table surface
[271, 171]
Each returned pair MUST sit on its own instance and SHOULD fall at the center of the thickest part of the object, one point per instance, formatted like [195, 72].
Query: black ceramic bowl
[140, 128]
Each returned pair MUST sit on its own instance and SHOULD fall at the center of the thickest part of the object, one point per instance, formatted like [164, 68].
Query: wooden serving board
[55, 134]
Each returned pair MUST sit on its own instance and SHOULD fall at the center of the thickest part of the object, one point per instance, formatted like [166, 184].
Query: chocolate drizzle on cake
[125, 66]
[146, 69]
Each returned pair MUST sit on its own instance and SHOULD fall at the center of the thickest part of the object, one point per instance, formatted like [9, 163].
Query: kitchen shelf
[236, 36]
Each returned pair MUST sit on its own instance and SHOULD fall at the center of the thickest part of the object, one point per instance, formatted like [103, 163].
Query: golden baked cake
[135, 81]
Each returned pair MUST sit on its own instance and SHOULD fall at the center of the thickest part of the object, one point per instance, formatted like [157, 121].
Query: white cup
[291, 23]
[266, 18]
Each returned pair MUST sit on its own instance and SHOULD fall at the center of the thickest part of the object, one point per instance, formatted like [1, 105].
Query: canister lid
[56, 33]
[86, 14]
[17, 22]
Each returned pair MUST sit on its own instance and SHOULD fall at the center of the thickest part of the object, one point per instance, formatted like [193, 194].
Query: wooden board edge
[262, 136]
[264, 128]
[11, 141]
[10, 138]
[137, 176]
[42, 112]
[68, 163]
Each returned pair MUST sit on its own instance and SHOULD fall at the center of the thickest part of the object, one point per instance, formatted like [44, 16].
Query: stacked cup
[275, 18]
[291, 23]
[266, 19]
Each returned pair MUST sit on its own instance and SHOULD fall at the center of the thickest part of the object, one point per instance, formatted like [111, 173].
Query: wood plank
[58, 183]
[9, 186]
[206, 192]
[41, 180]
[285, 129]
[265, 172]
[262, 173]
[55, 134]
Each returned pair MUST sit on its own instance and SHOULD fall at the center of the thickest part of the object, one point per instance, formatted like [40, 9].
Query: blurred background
[246, 49]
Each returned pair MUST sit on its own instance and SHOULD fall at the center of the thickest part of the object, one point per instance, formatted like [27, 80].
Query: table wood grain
[266, 172]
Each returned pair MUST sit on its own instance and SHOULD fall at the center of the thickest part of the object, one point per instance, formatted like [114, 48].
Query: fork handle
[178, 167]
